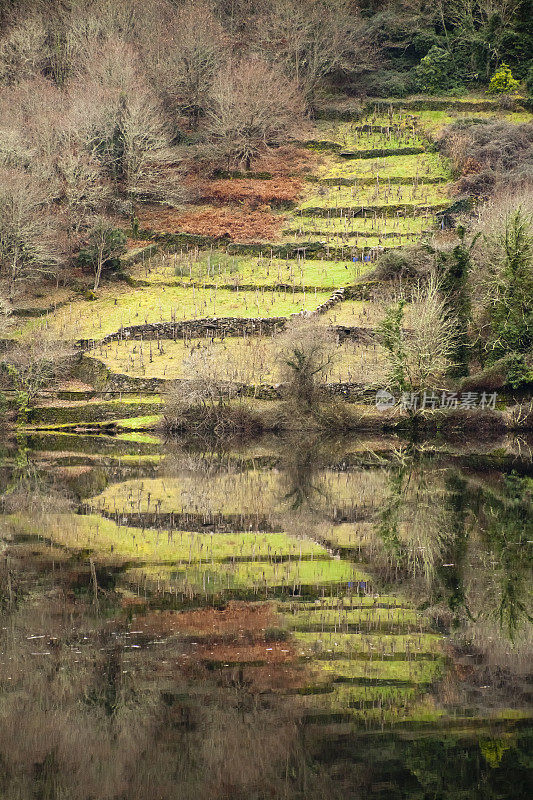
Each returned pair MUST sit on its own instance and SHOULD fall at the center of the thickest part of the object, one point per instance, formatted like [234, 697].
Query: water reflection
[297, 618]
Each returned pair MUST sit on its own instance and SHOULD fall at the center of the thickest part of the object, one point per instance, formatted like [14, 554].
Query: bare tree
[252, 106]
[186, 58]
[123, 123]
[311, 39]
[29, 244]
[106, 245]
[84, 187]
[37, 359]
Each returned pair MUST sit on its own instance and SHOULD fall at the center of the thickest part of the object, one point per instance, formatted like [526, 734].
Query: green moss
[110, 410]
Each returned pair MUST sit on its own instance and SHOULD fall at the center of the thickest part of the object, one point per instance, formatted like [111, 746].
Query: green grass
[372, 226]
[147, 422]
[434, 120]
[118, 308]
[233, 271]
[250, 361]
[348, 136]
[351, 197]
[427, 165]
[359, 313]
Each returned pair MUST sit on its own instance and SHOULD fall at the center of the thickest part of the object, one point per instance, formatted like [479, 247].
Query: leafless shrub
[485, 155]
[305, 352]
[205, 387]
[520, 417]
[418, 358]
[22, 50]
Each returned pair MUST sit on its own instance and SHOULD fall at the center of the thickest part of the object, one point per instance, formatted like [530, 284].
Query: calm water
[283, 618]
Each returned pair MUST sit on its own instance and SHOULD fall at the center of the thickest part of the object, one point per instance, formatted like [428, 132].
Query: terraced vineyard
[365, 193]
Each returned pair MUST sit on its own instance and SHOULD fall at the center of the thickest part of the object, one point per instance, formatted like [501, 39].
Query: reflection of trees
[413, 525]
[467, 540]
[30, 489]
[501, 528]
[301, 460]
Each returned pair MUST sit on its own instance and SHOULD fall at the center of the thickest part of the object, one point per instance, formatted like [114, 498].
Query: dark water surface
[292, 618]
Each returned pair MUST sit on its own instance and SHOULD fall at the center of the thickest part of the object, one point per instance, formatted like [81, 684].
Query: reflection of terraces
[219, 522]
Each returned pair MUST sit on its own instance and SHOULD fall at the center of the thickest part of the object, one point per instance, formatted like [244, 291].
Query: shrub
[502, 81]
[388, 83]
[421, 356]
[306, 351]
[529, 80]
[501, 281]
[433, 74]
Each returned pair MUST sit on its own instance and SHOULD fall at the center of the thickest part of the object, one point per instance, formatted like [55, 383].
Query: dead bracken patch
[287, 160]
[238, 225]
[254, 192]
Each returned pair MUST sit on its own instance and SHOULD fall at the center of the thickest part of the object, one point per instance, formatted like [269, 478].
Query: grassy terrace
[335, 198]
[118, 307]
[369, 226]
[190, 285]
[251, 360]
[366, 170]
[227, 270]
[351, 135]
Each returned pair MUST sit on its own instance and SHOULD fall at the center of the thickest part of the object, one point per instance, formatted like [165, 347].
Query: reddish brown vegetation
[239, 225]
[287, 160]
[471, 167]
[255, 193]
[233, 619]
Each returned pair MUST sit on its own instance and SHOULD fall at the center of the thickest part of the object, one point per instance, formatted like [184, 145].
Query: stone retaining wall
[210, 326]
[95, 371]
